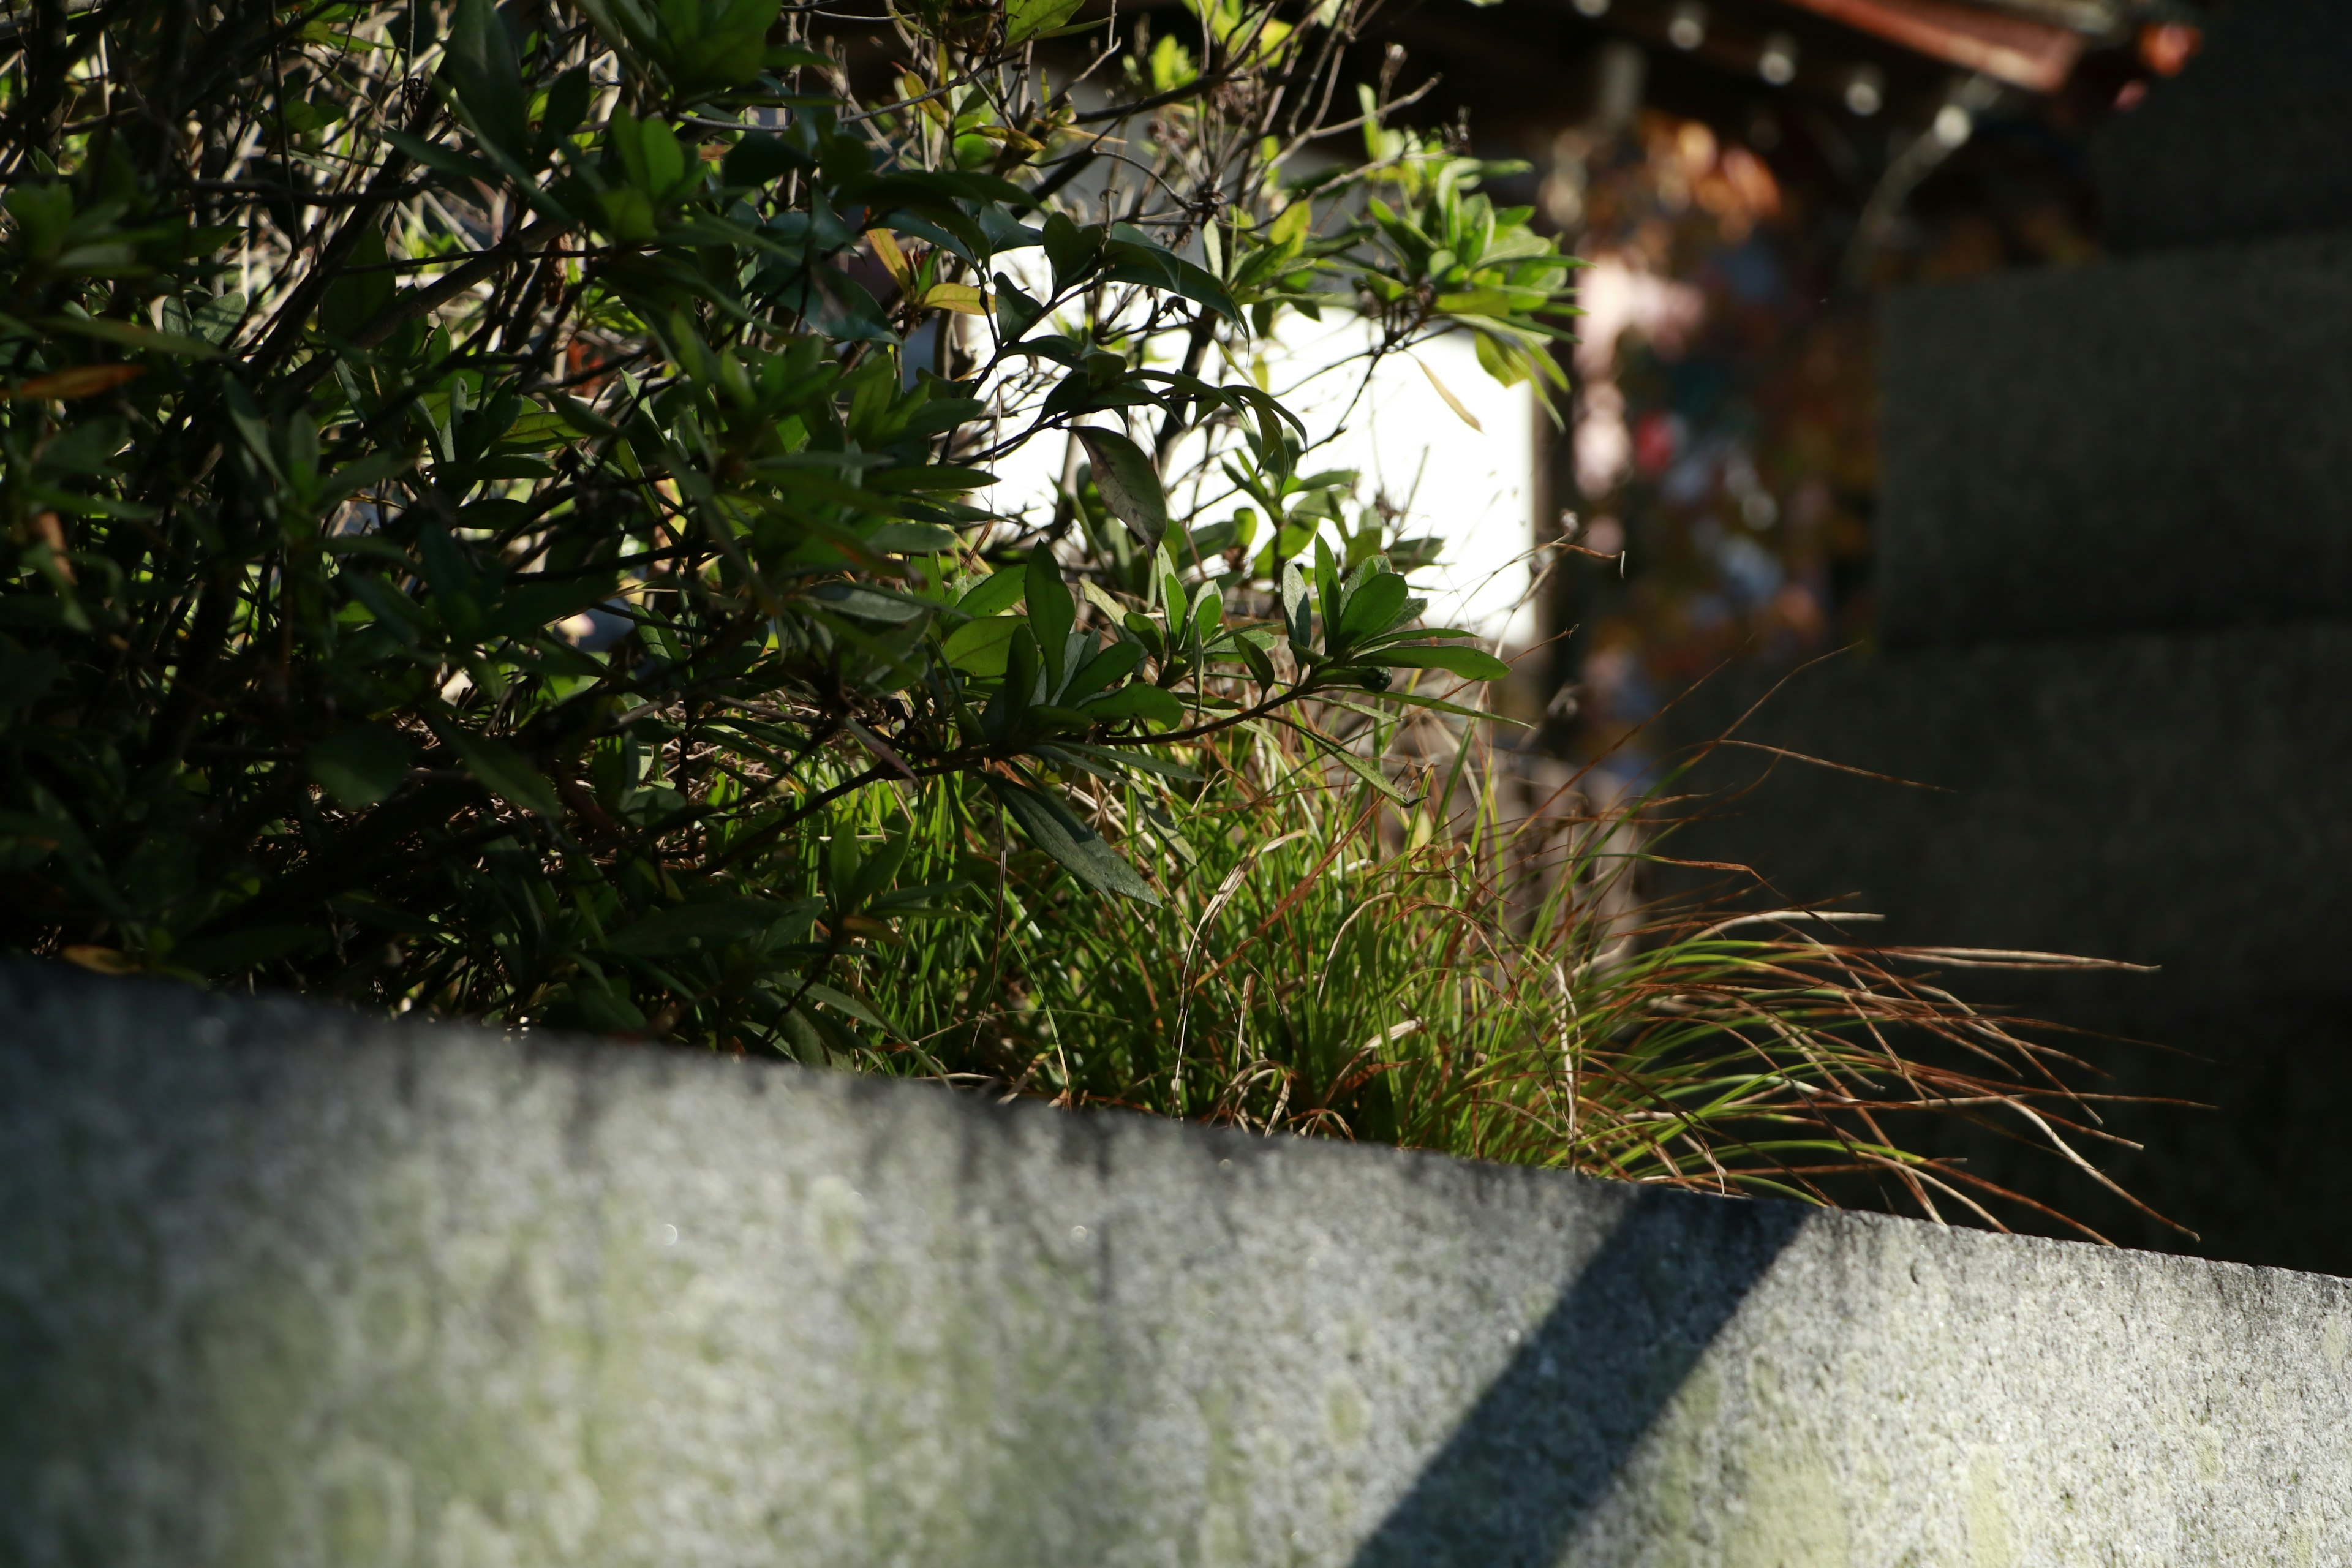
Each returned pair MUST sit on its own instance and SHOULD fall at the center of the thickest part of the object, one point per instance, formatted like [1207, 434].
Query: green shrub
[350, 355]
[498, 521]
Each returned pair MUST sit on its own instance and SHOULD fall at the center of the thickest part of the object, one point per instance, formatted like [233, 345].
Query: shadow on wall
[1515, 1480]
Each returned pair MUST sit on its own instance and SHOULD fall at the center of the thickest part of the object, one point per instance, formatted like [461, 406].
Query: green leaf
[1208, 614]
[446, 159]
[1367, 770]
[1024, 19]
[487, 82]
[760, 158]
[876, 871]
[132, 336]
[1017, 312]
[919, 902]
[993, 594]
[567, 104]
[1168, 589]
[1433, 634]
[502, 770]
[628, 214]
[868, 604]
[1146, 632]
[1129, 757]
[531, 604]
[1155, 266]
[843, 1003]
[1006, 708]
[602, 1007]
[219, 318]
[1114, 663]
[583, 418]
[365, 473]
[960, 297]
[1438, 705]
[912, 538]
[980, 647]
[356, 299]
[1373, 607]
[1051, 613]
[1472, 664]
[1050, 825]
[1072, 250]
[931, 477]
[665, 162]
[1328, 587]
[1139, 700]
[1128, 482]
[360, 766]
[1297, 613]
[1261, 668]
[708, 923]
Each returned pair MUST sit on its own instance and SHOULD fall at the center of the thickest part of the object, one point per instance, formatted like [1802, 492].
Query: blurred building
[1748, 176]
[2002, 346]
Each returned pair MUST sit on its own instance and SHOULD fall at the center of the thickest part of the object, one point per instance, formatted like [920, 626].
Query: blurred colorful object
[1718, 437]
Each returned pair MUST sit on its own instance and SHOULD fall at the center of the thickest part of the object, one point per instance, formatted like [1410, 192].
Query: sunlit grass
[1458, 972]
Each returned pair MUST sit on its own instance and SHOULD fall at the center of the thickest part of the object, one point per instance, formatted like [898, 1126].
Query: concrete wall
[2176, 801]
[2172, 801]
[2160, 443]
[279, 1286]
[2251, 140]
[2114, 585]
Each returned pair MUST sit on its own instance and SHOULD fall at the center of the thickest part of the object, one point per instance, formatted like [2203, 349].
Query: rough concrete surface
[281, 1286]
[2160, 443]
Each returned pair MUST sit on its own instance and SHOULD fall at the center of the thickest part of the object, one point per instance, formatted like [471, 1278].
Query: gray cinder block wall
[2248, 141]
[2115, 579]
[280, 1286]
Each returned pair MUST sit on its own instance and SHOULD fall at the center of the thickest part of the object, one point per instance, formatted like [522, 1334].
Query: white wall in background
[1473, 487]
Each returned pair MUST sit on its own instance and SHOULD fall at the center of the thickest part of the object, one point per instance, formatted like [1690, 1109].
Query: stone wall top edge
[2126, 652]
[2221, 259]
[1100, 1136]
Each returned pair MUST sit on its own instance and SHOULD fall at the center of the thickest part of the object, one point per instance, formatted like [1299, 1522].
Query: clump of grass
[1459, 963]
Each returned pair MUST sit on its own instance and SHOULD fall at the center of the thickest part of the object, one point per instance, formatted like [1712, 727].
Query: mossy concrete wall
[278, 1286]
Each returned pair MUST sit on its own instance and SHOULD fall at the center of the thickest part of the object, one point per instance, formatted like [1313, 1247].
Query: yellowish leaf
[893, 259]
[912, 86]
[1005, 133]
[1099, 597]
[1451, 401]
[82, 381]
[1290, 229]
[960, 297]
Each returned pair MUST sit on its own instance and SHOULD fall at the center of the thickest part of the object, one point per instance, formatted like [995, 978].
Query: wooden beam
[2015, 49]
